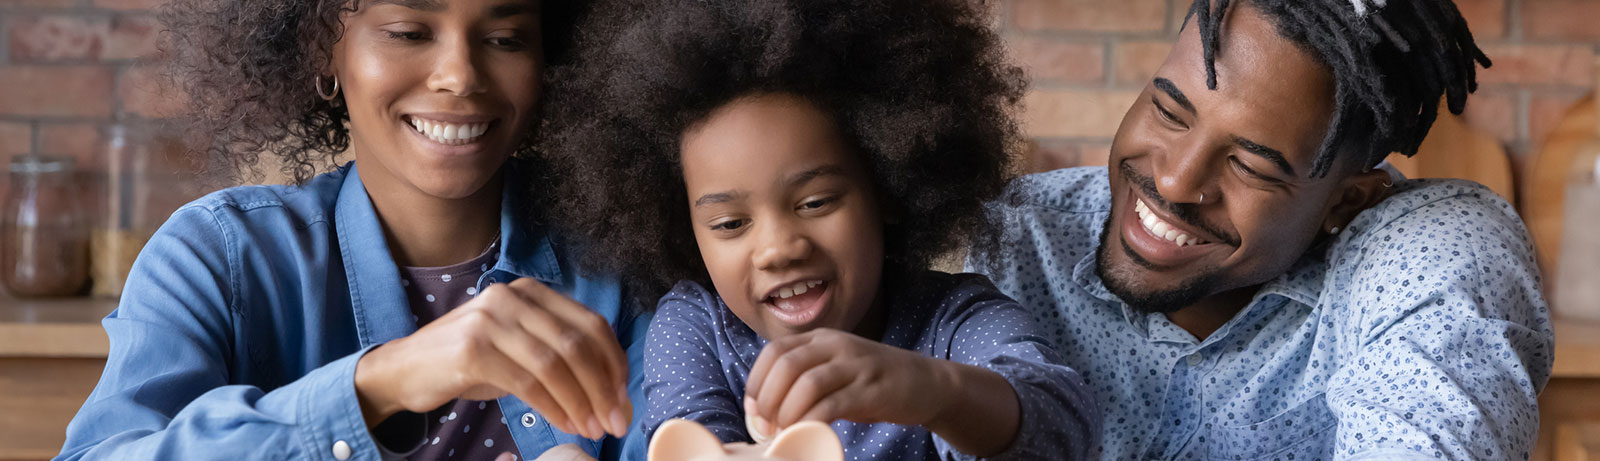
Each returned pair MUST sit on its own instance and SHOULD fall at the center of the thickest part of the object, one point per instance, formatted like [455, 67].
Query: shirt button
[528, 420]
[1195, 359]
[341, 450]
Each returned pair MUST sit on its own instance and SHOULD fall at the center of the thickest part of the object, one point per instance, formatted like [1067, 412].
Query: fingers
[588, 350]
[784, 373]
[811, 390]
[592, 325]
[770, 355]
[500, 371]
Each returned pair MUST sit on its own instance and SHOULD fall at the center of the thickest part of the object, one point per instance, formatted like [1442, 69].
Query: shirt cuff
[328, 419]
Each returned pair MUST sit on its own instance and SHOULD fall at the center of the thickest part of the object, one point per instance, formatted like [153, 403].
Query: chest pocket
[1304, 432]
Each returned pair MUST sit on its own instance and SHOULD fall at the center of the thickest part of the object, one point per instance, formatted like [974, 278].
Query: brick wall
[1090, 58]
[69, 66]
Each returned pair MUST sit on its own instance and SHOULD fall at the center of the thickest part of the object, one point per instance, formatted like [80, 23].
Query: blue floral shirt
[1420, 332]
[698, 356]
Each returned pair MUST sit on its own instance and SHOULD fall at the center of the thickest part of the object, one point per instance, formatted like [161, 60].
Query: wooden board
[1545, 184]
[38, 397]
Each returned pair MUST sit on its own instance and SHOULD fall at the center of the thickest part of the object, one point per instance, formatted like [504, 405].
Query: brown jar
[44, 238]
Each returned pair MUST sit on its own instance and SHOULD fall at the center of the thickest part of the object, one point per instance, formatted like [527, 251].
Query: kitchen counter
[51, 355]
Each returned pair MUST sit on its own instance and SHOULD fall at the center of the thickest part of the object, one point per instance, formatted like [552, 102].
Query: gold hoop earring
[327, 96]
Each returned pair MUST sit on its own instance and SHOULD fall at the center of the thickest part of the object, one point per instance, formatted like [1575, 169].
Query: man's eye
[1245, 170]
[1166, 114]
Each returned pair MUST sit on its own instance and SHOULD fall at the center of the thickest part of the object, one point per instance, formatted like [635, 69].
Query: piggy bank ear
[806, 441]
[683, 440]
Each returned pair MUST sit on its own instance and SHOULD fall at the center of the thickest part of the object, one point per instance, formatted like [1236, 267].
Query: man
[1241, 282]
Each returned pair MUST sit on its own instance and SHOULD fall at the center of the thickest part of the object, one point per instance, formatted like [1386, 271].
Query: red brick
[81, 141]
[1075, 113]
[146, 92]
[1090, 15]
[58, 37]
[1540, 65]
[1136, 62]
[133, 37]
[1046, 155]
[15, 138]
[1561, 19]
[55, 91]
[43, 3]
[1546, 110]
[129, 4]
[1494, 112]
[1486, 18]
[1056, 61]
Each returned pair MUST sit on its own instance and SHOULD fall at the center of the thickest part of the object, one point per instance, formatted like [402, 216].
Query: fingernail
[595, 429]
[749, 405]
[619, 423]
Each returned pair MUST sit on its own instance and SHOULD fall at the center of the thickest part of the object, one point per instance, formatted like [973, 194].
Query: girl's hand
[520, 338]
[826, 375]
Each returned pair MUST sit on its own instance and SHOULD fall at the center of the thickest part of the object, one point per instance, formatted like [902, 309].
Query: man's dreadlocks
[1387, 79]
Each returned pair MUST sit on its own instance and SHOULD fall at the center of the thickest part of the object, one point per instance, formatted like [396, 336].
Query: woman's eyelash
[404, 35]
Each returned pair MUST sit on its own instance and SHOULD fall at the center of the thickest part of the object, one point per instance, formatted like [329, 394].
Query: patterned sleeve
[683, 376]
[1059, 417]
[1455, 341]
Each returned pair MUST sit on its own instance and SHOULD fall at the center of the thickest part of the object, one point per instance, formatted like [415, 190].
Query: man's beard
[1123, 284]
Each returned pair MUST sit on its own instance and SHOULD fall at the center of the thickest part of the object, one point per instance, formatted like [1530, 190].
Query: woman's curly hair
[248, 69]
[921, 87]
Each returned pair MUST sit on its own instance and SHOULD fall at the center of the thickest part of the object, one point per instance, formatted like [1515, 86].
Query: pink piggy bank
[684, 440]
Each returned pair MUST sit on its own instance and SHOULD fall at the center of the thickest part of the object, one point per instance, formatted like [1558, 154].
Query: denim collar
[382, 312]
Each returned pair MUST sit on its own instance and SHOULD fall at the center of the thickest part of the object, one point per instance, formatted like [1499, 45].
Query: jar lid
[32, 163]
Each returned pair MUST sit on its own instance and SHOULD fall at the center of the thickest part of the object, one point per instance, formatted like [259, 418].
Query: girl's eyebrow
[814, 173]
[719, 197]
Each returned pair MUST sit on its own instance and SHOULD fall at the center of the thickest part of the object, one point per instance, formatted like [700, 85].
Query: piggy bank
[684, 440]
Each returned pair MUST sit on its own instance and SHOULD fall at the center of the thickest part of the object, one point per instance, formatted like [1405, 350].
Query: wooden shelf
[68, 327]
[1577, 349]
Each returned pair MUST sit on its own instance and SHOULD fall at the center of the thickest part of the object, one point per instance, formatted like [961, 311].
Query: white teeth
[447, 133]
[1160, 228]
[799, 288]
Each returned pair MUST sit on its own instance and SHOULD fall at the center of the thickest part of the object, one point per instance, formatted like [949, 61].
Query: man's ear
[1355, 194]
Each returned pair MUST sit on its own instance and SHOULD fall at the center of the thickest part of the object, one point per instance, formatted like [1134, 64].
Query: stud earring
[328, 95]
[1334, 231]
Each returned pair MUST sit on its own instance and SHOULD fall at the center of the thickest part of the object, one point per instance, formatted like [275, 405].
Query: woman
[411, 303]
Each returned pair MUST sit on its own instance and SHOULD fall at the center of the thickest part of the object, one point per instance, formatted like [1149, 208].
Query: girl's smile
[785, 216]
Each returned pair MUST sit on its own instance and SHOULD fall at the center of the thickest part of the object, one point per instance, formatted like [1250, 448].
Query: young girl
[798, 163]
[419, 287]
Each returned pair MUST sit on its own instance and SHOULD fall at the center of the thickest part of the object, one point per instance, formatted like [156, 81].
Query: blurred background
[91, 168]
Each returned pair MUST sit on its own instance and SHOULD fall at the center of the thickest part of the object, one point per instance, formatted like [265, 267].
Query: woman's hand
[827, 375]
[520, 338]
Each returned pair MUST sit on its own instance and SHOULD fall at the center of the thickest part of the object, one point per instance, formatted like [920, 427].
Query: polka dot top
[461, 429]
[1418, 332]
[699, 355]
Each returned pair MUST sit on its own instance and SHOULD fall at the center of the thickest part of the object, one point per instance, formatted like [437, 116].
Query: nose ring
[1202, 198]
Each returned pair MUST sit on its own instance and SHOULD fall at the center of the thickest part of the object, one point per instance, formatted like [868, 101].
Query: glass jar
[44, 238]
